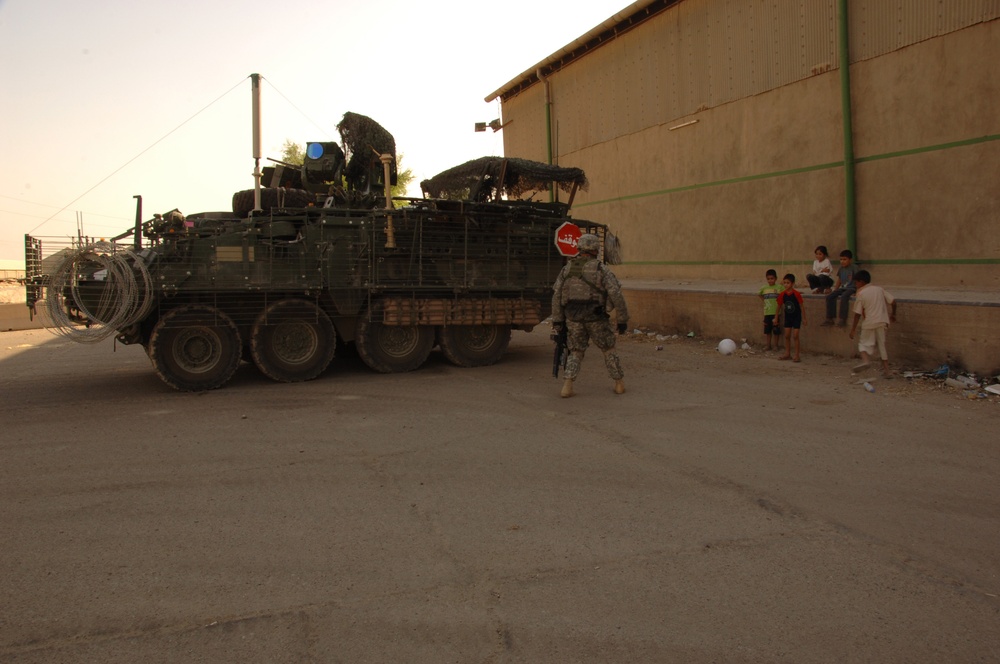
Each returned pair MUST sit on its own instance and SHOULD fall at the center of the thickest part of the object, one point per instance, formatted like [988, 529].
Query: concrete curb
[17, 317]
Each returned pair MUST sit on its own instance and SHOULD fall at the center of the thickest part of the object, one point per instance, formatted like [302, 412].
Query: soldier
[582, 292]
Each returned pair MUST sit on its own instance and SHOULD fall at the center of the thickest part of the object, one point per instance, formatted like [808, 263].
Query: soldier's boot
[567, 388]
[619, 386]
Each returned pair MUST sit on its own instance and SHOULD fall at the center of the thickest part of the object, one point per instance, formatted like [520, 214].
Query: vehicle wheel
[474, 345]
[195, 348]
[292, 341]
[393, 348]
[271, 197]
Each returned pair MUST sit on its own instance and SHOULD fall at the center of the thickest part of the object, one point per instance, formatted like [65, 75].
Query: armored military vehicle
[295, 270]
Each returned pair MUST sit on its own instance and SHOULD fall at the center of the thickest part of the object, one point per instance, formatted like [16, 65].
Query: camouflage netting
[478, 180]
[360, 136]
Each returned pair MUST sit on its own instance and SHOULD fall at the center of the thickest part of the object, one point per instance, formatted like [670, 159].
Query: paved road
[723, 510]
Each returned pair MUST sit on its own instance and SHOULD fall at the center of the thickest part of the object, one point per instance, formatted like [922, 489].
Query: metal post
[850, 200]
[503, 176]
[390, 234]
[137, 241]
[548, 126]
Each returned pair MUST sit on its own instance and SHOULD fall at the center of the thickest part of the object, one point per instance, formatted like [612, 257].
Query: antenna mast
[255, 79]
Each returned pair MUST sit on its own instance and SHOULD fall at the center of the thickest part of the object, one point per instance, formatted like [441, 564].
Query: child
[769, 294]
[876, 308]
[820, 279]
[790, 304]
[843, 290]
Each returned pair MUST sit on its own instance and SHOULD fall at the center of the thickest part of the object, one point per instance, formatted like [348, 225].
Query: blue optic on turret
[314, 150]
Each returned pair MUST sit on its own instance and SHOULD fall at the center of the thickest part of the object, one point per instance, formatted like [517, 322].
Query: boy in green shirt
[769, 294]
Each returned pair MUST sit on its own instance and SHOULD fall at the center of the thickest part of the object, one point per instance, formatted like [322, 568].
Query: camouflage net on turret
[479, 179]
[362, 138]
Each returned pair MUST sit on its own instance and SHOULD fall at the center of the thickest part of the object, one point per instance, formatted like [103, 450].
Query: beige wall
[758, 181]
[937, 205]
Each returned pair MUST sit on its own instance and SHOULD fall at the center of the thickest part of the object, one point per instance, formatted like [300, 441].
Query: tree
[292, 152]
[403, 177]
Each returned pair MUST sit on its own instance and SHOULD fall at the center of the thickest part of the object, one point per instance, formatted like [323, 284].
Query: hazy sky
[107, 99]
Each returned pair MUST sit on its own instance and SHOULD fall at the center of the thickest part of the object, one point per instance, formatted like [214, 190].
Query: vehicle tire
[393, 348]
[292, 341]
[474, 345]
[270, 198]
[195, 348]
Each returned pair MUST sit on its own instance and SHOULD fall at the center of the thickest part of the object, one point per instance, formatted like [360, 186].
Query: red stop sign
[567, 236]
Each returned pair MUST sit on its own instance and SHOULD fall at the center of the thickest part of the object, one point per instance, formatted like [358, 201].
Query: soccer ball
[727, 347]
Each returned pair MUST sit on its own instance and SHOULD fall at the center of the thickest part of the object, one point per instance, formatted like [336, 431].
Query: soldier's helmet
[588, 244]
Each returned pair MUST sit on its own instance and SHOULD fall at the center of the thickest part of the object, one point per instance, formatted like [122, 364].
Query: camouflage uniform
[583, 290]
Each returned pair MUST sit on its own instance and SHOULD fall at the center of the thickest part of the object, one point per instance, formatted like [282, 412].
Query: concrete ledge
[16, 317]
[961, 328]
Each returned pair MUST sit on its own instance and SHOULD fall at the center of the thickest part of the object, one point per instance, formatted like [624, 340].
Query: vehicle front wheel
[195, 348]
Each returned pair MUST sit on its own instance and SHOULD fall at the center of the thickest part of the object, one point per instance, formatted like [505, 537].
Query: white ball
[727, 347]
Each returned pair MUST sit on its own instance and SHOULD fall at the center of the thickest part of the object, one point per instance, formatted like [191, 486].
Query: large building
[721, 137]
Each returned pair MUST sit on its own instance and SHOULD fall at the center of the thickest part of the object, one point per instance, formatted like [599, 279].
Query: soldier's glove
[622, 328]
[557, 329]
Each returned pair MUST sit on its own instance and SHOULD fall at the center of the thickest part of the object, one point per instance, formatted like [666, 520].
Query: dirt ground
[905, 380]
[725, 509]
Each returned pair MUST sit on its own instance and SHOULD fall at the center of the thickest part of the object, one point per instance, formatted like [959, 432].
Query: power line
[157, 142]
[309, 119]
[38, 216]
[21, 200]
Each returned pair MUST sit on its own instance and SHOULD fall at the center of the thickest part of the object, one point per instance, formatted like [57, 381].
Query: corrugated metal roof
[614, 27]
[718, 36]
[879, 27]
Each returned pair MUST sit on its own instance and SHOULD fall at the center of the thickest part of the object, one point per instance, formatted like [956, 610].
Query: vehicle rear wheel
[393, 348]
[293, 340]
[474, 345]
[195, 348]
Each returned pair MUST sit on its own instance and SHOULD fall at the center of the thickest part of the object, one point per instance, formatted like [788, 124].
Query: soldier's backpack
[583, 293]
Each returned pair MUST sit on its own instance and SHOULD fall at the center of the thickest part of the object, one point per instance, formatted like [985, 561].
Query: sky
[105, 100]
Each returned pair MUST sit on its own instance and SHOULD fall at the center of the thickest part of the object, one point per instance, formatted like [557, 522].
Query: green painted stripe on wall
[931, 148]
[769, 263]
[933, 261]
[796, 171]
[718, 183]
[867, 261]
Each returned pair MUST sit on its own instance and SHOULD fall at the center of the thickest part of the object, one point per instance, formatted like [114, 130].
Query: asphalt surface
[724, 509]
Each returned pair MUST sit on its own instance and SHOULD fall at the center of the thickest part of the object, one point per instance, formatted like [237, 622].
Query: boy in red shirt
[791, 307]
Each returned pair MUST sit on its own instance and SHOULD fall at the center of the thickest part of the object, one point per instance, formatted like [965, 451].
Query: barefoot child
[791, 306]
[875, 308]
[769, 294]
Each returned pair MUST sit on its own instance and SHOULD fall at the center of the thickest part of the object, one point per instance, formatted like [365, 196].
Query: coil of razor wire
[126, 292]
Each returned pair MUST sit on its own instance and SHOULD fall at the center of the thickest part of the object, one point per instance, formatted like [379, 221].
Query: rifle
[559, 354]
